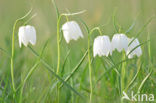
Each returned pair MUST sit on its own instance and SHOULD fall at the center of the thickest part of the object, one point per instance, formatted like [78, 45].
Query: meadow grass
[53, 71]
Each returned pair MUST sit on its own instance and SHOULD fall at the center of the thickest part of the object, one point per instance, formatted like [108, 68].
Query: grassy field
[131, 17]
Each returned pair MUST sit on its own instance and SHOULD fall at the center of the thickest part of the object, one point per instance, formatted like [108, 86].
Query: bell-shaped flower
[27, 34]
[120, 42]
[102, 46]
[134, 48]
[71, 31]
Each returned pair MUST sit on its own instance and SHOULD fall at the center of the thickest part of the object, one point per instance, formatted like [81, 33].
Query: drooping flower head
[71, 31]
[102, 46]
[27, 34]
[137, 50]
[120, 42]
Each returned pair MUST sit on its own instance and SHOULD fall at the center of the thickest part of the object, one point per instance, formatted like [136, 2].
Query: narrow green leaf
[85, 25]
[64, 63]
[26, 22]
[23, 17]
[111, 68]
[132, 81]
[75, 68]
[110, 61]
[137, 47]
[56, 9]
[3, 50]
[149, 47]
[50, 69]
[140, 31]
[44, 47]
[143, 82]
[131, 27]
[114, 21]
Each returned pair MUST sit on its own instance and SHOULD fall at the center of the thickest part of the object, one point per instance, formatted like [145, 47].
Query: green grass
[36, 77]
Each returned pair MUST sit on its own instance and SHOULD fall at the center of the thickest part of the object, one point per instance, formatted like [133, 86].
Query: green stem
[58, 50]
[12, 56]
[96, 28]
[58, 53]
[123, 73]
[89, 60]
[13, 50]
[90, 71]
[149, 47]
[58, 45]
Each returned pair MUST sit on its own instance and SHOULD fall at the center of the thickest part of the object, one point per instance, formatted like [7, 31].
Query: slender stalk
[13, 50]
[58, 45]
[12, 56]
[96, 28]
[149, 47]
[123, 73]
[58, 54]
[89, 60]
[90, 70]
[58, 51]
[59, 16]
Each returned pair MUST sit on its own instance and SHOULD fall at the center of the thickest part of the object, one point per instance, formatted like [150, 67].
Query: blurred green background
[98, 12]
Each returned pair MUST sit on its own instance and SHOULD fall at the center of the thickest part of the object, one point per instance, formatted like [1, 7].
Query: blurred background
[98, 12]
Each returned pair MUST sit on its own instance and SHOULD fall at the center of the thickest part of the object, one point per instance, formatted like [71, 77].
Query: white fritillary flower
[71, 31]
[102, 46]
[27, 34]
[120, 42]
[137, 50]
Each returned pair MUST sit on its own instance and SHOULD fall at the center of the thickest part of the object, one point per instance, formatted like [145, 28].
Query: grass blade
[3, 50]
[110, 60]
[85, 25]
[100, 77]
[137, 47]
[64, 63]
[140, 31]
[56, 9]
[131, 27]
[114, 21]
[76, 68]
[143, 82]
[132, 81]
[50, 69]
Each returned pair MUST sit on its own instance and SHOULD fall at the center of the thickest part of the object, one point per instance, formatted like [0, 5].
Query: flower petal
[31, 33]
[20, 34]
[133, 45]
[120, 42]
[102, 46]
[71, 31]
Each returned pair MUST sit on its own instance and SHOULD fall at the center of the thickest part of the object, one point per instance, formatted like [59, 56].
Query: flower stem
[89, 59]
[123, 74]
[12, 56]
[58, 54]
[58, 45]
[90, 70]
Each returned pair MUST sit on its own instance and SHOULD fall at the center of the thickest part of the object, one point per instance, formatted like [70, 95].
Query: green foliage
[35, 76]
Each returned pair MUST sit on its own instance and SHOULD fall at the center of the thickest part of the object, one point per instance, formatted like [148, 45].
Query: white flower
[120, 42]
[102, 46]
[71, 30]
[27, 34]
[137, 51]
